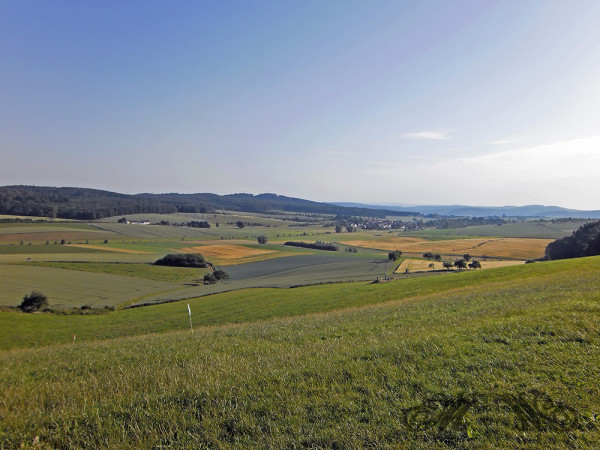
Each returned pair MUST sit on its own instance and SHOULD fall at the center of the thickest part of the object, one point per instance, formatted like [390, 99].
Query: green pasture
[249, 305]
[15, 249]
[521, 229]
[504, 358]
[74, 288]
[88, 255]
[145, 271]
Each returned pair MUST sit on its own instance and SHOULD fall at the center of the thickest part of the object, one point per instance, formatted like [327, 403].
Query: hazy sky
[474, 102]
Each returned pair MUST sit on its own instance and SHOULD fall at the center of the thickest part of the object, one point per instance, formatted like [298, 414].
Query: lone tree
[240, 224]
[395, 255]
[33, 301]
[262, 239]
[338, 228]
[460, 264]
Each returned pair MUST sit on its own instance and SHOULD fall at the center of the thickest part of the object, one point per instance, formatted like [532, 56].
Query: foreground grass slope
[251, 305]
[511, 362]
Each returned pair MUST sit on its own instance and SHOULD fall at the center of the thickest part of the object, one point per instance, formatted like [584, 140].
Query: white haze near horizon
[391, 102]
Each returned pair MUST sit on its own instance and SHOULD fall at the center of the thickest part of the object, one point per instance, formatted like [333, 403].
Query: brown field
[422, 265]
[110, 249]
[509, 248]
[233, 254]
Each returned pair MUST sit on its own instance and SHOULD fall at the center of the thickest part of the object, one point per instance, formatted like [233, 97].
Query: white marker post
[190, 313]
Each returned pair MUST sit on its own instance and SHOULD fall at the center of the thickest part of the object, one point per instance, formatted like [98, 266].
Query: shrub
[33, 301]
[395, 255]
[210, 278]
[220, 274]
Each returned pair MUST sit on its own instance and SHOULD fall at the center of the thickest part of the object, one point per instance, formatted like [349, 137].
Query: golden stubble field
[508, 248]
[229, 254]
[422, 265]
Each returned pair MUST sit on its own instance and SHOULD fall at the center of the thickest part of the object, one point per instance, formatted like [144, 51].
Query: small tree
[460, 264]
[33, 301]
[240, 224]
[395, 255]
[338, 228]
[220, 274]
[210, 278]
[432, 266]
[466, 257]
[475, 265]
[262, 239]
[447, 265]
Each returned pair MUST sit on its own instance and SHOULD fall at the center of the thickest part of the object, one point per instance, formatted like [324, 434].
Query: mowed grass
[145, 271]
[251, 305]
[344, 379]
[73, 288]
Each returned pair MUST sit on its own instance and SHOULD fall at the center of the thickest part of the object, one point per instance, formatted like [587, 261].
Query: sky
[385, 102]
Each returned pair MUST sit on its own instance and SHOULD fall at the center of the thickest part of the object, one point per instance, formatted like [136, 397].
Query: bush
[33, 301]
[262, 239]
[395, 255]
[220, 274]
[182, 260]
[210, 278]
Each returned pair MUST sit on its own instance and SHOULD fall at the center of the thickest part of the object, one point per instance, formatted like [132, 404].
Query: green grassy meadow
[499, 358]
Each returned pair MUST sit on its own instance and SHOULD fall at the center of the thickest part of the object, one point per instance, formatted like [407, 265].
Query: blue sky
[429, 102]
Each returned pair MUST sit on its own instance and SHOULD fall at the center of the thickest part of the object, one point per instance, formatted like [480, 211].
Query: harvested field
[109, 249]
[233, 254]
[422, 265]
[509, 248]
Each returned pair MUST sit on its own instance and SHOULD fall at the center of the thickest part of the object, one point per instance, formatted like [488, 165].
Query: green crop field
[500, 358]
[74, 288]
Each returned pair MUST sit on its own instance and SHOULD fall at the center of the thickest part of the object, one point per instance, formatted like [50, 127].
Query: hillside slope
[509, 363]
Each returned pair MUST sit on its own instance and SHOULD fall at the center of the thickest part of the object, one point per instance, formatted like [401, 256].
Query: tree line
[92, 204]
[585, 241]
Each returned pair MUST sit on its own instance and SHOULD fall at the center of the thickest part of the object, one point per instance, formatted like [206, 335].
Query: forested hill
[91, 204]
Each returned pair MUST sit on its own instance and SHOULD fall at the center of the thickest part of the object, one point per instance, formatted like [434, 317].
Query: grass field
[74, 288]
[498, 358]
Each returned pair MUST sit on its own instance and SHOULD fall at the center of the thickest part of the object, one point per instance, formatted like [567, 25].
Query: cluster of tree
[434, 256]
[463, 222]
[461, 264]
[317, 245]
[395, 255]
[351, 250]
[585, 241]
[182, 260]
[198, 224]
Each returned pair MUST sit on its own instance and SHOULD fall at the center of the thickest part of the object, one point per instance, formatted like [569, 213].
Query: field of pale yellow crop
[422, 265]
[506, 248]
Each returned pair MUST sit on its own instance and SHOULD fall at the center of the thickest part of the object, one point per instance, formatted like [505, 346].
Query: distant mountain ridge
[91, 204]
[486, 211]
